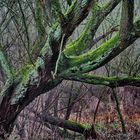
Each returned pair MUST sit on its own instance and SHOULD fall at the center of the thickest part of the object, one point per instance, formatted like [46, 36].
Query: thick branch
[100, 56]
[77, 12]
[70, 125]
[126, 24]
[86, 37]
[96, 53]
[86, 130]
[107, 81]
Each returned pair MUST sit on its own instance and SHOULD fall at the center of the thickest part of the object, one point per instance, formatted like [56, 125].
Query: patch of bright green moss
[96, 53]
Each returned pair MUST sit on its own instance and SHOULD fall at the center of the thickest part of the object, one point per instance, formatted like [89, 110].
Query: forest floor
[113, 131]
[108, 126]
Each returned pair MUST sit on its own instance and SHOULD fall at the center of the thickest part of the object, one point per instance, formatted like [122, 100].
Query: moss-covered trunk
[23, 87]
[18, 95]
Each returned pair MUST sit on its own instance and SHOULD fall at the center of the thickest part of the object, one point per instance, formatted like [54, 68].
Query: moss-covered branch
[96, 53]
[96, 58]
[86, 37]
[76, 13]
[107, 81]
[39, 77]
[80, 44]
[86, 130]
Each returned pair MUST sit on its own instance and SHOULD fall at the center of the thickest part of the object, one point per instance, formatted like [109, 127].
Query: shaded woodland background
[70, 100]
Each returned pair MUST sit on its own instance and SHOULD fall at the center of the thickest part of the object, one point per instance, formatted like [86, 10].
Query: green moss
[77, 45]
[96, 53]
[70, 7]
[39, 20]
[81, 43]
[29, 75]
[54, 27]
[107, 81]
[24, 72]
[82, 125]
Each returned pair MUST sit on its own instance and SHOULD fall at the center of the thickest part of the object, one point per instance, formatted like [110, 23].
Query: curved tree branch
[98, 57]
[77, 12]
[86, 37]
[107, 81]
[70, 125]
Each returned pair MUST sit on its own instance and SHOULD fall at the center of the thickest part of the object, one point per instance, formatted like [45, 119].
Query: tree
[58, 59]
